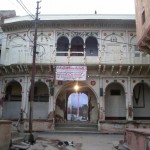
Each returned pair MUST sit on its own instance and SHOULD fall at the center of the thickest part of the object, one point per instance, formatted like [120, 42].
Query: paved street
[49, 141]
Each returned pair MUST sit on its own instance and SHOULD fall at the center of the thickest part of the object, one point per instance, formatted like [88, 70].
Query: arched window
[91, 46]
[62, 46]
[77, 46]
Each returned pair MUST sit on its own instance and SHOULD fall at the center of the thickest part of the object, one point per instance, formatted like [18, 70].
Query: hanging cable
[25, 9]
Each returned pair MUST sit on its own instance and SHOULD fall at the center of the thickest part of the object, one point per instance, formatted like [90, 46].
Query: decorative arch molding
[44, 80]
[7, 81]
[93, 34]
[62, 97]
[43, 37]
[135, 81]
[71, 34]
[79, 38]
[77, 33]
[16, 38]
[132, 37]
[62, 33]
[62, 87]
[121, 81]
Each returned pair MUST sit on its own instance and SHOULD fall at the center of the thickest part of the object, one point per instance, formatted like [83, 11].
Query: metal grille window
[137, 55]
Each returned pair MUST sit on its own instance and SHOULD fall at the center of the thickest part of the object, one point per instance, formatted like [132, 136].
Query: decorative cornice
[109, 69]
[69, 24]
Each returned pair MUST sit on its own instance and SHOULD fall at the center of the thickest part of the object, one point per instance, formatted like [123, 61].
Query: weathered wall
[142, 5]
[5, 134]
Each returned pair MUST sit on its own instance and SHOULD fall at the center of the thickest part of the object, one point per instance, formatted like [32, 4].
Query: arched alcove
[41, 100]
[115, 104]
[12, 103]
[141, 102]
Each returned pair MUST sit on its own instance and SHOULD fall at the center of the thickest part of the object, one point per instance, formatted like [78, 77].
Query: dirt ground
[49, 141]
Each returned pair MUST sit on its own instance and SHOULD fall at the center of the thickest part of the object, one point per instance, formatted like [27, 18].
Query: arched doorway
[141, 102]
[12, 104]
[72, 106]
[41, 101]
[115, 105]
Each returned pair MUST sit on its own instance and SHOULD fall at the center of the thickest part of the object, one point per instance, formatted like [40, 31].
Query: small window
[137, 55]
[143, 17]
[115, 92]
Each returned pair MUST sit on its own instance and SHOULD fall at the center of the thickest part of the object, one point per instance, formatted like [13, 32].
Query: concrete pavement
[82, 141]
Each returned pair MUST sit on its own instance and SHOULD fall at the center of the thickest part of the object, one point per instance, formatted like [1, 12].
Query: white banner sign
[71, 72]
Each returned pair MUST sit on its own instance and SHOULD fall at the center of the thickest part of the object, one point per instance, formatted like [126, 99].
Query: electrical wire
[25, 9]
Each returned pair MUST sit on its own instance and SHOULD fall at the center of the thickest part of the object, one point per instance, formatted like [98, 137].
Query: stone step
[75, 126]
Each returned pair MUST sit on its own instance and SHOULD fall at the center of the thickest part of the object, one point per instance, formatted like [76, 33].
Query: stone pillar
[51, 109]
[101, 102]
[2, 99]
[51, 105]
[25, 98]
[129, 103]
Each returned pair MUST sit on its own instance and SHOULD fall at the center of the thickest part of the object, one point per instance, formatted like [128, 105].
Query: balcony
[78, 58]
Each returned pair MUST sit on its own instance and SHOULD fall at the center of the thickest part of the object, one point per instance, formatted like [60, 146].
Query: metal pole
[31, 137]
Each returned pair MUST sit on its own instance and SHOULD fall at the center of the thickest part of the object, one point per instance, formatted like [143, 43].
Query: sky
[71, 7]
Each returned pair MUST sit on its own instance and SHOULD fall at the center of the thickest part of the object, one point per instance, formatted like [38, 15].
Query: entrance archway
[72, 106]
[77, 107]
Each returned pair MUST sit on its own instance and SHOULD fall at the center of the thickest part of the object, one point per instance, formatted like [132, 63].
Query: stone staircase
[76, 127]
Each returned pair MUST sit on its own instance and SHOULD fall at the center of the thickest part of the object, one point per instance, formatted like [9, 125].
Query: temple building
[89, 71]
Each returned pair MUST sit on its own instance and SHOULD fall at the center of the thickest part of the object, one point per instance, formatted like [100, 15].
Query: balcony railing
[71, 57]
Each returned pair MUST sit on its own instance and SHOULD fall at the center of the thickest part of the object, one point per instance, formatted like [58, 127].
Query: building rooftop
[66, 17]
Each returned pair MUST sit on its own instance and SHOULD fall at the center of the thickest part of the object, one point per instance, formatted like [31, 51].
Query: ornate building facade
[96, 52]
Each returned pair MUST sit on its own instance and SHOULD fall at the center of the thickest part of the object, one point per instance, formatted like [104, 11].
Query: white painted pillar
[51, 104]
[50, 108]
[101, 102]
[129, 103]
[25, 98]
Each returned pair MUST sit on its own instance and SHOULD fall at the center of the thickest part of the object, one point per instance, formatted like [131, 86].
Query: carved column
[101, 102]
[51, 97]
[129, 103]
[25, 98]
